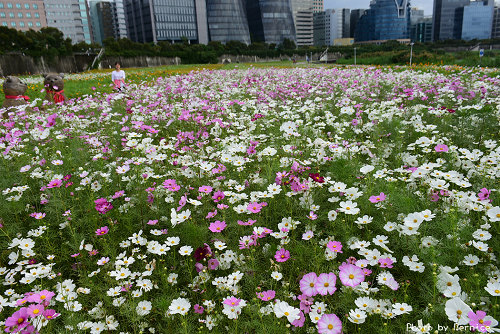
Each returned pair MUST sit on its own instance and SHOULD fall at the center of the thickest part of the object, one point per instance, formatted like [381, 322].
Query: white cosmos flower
[349, 208]
[457, 311]
[143, 308]
[284, 309]
[493, 288]
[186, 250]
[179, 306]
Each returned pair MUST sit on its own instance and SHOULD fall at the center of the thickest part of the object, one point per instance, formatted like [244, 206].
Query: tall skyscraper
[318, 6]
[166, 20]
[330, 25]
[302, 11]
[23, 16]
[495, 30]
[70, 17]
[107, 18]
[416, 15]
[421, 30]
[477, 20]
[447, 18]
[385, 20]
[270, 21]
[355, 16]
[227, 21]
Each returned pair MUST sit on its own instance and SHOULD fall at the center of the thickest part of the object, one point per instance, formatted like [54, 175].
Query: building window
[9, 4]
[35, 6]
[2, 14]
[28, 15]
[4, 23]
[13, 24]
[37, 15]
[27, 5]
[11, 15]
[1, 4]
[38, 24]
[30, 24]
[20, 15]
[18, 5]
[21, 24]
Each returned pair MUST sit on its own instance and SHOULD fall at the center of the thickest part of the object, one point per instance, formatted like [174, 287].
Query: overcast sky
[426, 5]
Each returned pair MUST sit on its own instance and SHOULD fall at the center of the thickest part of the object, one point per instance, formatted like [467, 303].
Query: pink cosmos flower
[385, 262]
[37, 215]
[152, 222]
[213, 264]
[484, 194]
[329, 324]
[350, 275]
[50, 314]
[205, 189]
[476, 321]
[254, 207]
[305, 303]
[102, 205]
[218, 196]
[35, 310]
[282, 255]
[55, 183]
[118, 194]
[312, 215]
[326, 284]
[300, 321]
[441, 148]
[232, 301]
[18, 320]
[198, 309]
[266, 295]
[377, 198]
[308, 284]
[43, 296]
[250, 222]
[211, 214]
[335, 246]
[102, 230]
[217, 226]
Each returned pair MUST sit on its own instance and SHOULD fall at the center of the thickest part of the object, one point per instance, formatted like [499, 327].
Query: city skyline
[426, 5]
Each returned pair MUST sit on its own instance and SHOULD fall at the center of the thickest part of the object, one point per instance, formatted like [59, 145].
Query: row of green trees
[50, 42]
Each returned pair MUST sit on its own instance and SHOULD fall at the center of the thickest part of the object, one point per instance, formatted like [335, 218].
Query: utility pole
[411, 52]
[354, 56]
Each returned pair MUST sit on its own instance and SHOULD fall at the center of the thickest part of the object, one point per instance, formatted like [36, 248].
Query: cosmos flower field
[259, 200]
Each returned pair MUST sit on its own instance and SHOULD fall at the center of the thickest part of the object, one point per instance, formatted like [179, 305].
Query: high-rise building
[318, 6]
[70, 17]
[495, 29]
[355, 16]
[107, 18]
[477, 20]
[330, 25]
[416, 15]
[421, 31]
[23, 16]
[270, 21]
[227, 21]
[385, 20]
[302, 11]
[167, 20]
[447, 19]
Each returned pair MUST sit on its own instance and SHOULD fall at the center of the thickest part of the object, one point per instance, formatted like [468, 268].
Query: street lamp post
[411, 52]
[354, 56]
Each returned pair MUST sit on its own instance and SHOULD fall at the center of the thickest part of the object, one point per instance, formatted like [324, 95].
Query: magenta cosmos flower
[335, 246]
[326, 284]
[477, 321]
[329, 324]
[351, 275]
[254, 207]
[218, 196]
[308, 284]
[205, 189]
[102, 231]
[282, 255]
[441, 148]
[266, 295]
[217, 226]
[377, 198]
[18, 320]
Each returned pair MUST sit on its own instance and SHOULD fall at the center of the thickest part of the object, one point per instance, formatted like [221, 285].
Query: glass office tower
[477, 20]
[385, 20]
[447, 19]
[270, 21]
[227, 21]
